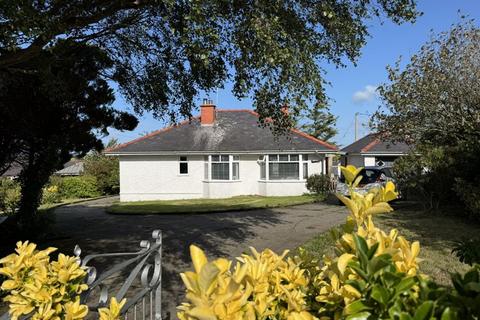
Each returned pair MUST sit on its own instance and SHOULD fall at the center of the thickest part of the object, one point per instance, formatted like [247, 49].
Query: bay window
[283, 167]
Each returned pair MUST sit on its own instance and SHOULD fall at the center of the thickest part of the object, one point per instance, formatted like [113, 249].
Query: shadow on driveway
[225, 234]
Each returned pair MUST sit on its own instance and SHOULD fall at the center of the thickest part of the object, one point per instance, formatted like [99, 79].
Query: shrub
[469, 193]
[9, 195]
[51, 194]
[79, 187]
[468, 251]
[373, 275]
[105, 169]
[319, 184]
[426, 175]
[46, 289]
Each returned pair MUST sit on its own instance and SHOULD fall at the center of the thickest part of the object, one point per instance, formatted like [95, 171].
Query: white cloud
[366, 95]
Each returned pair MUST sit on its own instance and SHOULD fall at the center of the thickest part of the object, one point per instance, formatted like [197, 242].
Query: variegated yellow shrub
[334, 275]
[267, 286]
[259, 286]
[46, 289]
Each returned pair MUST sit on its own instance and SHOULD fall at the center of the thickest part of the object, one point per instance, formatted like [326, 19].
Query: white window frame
[303, 161]
[231, 159]
[180, 161]
[265, 159]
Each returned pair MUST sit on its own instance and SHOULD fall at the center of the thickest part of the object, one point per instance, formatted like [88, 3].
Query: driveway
[225, 234]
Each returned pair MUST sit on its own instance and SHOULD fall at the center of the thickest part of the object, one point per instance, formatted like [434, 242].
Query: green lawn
[436, 233]
[207, 205]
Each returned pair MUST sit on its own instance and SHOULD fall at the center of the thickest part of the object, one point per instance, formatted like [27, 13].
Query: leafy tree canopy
[65, 107]
[164, 53]
[435, 99]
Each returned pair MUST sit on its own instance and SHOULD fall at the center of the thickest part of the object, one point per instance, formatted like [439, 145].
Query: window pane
[273, 157]
[305, 157]
[235, 171]
[294, 157]
[236, 158]
[216, 158]
[263, 171]
[183, 167]
[183, 158]
[283, 171]
[224, 158]
[220, 171]
[283, 157]
[305, 170]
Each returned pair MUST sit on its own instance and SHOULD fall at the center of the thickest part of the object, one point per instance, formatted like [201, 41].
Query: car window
[369, 176]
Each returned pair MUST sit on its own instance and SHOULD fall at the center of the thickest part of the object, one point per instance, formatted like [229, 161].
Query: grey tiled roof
[234, 130]
[372, 143]
[71, 169]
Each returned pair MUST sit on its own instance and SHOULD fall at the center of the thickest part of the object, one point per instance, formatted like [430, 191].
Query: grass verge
[208, 205]
[437, 235]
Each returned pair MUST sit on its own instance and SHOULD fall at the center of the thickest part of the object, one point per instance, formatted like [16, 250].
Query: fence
[142, 271]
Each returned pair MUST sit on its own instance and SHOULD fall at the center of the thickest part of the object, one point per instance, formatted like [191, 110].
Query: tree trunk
[35, 174]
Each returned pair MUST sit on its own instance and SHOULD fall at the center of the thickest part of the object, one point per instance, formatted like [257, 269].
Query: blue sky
[352, 88]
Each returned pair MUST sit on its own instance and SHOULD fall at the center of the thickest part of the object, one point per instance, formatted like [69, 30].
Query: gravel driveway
[225, 234]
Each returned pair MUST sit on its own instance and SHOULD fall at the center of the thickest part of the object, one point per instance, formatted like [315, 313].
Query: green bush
[106, 170]
[468, 251]
[319, 184]
[426, 176]
[9, 195]
[469, 194]
[79, 187]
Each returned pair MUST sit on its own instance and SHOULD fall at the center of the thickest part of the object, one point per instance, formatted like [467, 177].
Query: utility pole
[356, 125]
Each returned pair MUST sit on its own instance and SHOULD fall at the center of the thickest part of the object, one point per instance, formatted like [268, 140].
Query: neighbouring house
[220, 154]
[372, 150]
[73, 167]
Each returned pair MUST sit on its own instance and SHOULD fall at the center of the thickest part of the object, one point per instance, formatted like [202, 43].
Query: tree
[105, 169]
[67, 103]
[435, 99]
[164, 53]
[320, 124]
[433, 103]
[161, 55]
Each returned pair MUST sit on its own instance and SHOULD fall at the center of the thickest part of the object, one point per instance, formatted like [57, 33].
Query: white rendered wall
[158, 178]
[144, 178]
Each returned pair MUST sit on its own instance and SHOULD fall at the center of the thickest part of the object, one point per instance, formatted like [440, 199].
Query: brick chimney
[207, 113]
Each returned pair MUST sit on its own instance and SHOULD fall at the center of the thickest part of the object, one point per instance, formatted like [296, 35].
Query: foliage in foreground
[45, 289]
[373, 275]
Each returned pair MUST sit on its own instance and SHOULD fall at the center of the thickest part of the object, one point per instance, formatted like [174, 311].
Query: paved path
[225, 234]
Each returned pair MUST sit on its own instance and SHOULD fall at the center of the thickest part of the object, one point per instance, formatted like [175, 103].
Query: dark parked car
[372, 177]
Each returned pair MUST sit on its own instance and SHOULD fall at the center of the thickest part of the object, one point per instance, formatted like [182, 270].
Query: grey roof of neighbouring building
[72, 168]
[373, 143]
[13, 171]
[234, 130]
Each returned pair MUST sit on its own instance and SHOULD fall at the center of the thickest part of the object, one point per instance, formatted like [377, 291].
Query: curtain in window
[220, 171]
[283, 171]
